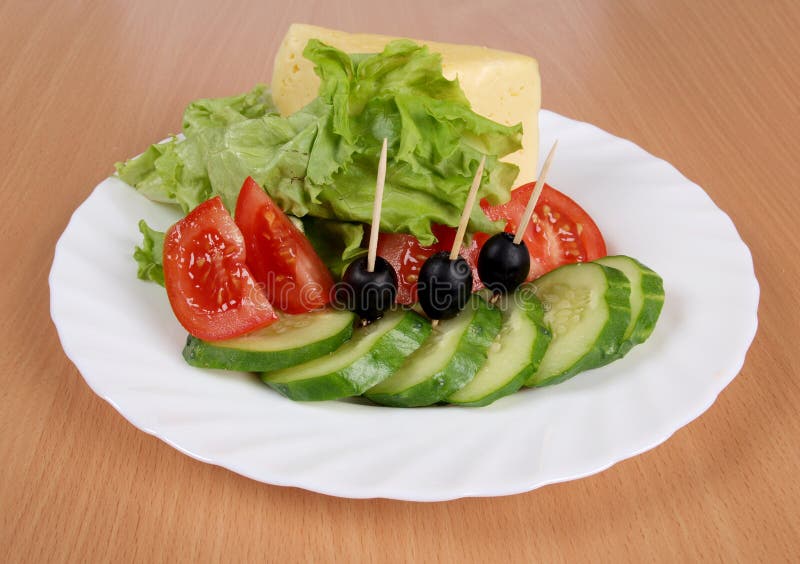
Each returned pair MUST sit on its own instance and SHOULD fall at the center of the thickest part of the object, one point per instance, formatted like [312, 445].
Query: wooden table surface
[712, 87]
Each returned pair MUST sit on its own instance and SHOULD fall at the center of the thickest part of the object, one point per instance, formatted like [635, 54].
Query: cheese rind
[502, 86]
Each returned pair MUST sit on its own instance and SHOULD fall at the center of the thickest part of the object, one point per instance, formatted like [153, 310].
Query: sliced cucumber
[514, 355]
[371, 355]
[587, 308]
[292, 340]
[445, 362]
[647, 299]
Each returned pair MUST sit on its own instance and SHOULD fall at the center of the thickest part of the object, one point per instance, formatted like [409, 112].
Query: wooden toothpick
[462, 226]
[376, 209]
[537, 191]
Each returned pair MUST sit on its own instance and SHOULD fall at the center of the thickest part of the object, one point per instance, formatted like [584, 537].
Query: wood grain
[710, 86]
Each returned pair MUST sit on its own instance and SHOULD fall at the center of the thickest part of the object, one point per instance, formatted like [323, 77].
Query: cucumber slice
[373, 354]
[587, 308]
[445, 362]
[514, 355]
[292, 340]
[647, 299]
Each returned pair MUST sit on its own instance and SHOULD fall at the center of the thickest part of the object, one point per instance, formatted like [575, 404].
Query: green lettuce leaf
[337, 242]
[175, 171]
[150, 255]
[435, 141]
[275, 152]
[172, 172]
[220, 112]
[321, 162]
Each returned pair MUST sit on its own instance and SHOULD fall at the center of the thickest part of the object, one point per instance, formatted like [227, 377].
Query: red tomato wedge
[278, 254]
[560, 232]
[210, 289]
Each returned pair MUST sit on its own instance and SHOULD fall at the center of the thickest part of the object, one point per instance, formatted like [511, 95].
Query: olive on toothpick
[369, 284]
[445, 280]
[504, 261]
[368, 293]
[444, 285]
[502, 264]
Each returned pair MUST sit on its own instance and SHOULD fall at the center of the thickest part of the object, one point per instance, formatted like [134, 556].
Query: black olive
[368, 294]
[444, 286]
[502, 264]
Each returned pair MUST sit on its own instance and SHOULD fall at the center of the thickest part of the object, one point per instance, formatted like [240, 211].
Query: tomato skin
[278, 254]
[210, 289]
[560, 232]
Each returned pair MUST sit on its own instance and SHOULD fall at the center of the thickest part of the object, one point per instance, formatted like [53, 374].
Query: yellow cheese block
[502, 86]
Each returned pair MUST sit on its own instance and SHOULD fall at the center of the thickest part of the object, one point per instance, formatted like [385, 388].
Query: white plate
[120, 333]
